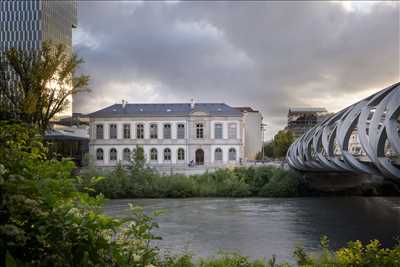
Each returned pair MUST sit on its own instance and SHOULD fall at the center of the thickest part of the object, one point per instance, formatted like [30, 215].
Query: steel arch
[373, 122]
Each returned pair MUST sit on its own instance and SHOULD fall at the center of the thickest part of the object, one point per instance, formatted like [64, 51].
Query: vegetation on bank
[49, 218]
[278, 147]
[141, 182]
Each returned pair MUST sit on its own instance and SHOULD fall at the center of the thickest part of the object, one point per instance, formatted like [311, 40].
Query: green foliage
[230, 260]
[355, 254]
[268, 150]
[281, 143]
[239, 182]
[281, 184]
[43, 81]
[278, 147]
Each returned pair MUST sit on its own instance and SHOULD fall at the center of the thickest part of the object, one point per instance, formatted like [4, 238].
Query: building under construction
[302, 119]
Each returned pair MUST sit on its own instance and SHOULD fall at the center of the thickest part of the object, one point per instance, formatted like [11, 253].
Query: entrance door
[199, 157]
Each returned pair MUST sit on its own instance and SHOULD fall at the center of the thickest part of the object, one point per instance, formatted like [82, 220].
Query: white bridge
[372, 123]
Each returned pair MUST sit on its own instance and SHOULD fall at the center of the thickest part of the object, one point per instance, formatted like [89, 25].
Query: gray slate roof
[165, 110]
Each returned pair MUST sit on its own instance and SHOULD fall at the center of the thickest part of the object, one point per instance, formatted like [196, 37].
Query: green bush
[281, 184]
[239, 182]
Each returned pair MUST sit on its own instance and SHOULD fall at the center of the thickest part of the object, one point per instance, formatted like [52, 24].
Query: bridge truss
[372, 124]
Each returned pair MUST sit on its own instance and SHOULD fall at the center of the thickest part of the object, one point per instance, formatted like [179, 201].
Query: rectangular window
[99, 131]
[153, 131]
[167, 131]
[113, 131]
[199, 130]
[140, 131]
[181, 131]
[127, 131]
[218, 131]
[232, 131]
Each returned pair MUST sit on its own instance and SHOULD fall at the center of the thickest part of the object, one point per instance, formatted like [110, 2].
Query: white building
[253, 132]
[210, 134]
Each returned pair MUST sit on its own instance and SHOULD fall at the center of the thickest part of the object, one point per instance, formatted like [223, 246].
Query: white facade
[205, 149]
[253, 142]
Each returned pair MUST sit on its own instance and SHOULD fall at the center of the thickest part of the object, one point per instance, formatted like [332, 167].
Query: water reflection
[260, 227]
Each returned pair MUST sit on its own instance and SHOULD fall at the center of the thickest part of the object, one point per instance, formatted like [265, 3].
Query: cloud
[268, 55]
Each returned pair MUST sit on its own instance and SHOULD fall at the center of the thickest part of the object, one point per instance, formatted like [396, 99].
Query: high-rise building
[27, 24]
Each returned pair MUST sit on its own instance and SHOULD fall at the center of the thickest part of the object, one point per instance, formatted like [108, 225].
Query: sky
[267, 55]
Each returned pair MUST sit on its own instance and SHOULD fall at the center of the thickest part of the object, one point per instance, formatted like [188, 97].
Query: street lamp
[262, 126]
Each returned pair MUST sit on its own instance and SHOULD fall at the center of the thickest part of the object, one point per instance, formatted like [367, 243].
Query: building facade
[205, 134]
[26, 25]
[253, 132]
[302, 119]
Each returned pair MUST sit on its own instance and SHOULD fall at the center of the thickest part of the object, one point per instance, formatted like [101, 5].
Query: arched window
[99, 154]
[126, 154]
[218, 154]
[113, 154]
[167, 154]
[153, 154]
[232, 154]
[181, 154]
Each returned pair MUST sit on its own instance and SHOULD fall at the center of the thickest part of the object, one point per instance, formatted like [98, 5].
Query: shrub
[239, 182]
[281, 184]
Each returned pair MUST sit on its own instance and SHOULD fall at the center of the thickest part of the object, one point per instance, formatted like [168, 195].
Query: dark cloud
[268, 55]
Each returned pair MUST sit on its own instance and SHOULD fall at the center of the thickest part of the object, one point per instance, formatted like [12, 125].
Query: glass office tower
[27, 24]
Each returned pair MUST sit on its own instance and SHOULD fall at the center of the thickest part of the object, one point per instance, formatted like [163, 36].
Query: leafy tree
[281, 143]
[36, 84]
[138, 158]
[268, 151]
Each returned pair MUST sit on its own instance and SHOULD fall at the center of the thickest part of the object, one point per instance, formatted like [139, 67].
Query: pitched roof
[165, 110]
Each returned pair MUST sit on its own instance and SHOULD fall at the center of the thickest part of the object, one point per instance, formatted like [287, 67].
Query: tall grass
[239, 182]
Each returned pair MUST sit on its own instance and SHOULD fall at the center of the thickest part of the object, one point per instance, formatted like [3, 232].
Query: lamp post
[263, 125]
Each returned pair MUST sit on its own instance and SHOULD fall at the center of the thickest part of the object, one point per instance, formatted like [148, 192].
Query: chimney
[192, 103]
[124, 104]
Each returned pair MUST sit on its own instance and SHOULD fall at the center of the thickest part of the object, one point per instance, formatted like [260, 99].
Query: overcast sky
[267, 55]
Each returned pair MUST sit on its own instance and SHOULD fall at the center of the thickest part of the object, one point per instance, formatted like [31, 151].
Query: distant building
[253, 132]
[172, 135]
[27, 24]
[302, 119]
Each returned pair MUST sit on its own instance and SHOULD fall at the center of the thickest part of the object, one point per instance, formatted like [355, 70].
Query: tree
[281, 143]
[268, 151]
[35, 85]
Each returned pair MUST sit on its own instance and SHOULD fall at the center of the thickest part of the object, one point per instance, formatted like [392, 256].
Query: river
[261, 227]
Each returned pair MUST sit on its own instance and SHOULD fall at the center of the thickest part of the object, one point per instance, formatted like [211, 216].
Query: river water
[261, 227]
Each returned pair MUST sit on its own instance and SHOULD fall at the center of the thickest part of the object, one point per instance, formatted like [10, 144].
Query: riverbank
[259, 181]
[263, 181]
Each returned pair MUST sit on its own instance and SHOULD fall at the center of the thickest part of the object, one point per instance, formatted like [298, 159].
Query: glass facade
[26, 24]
